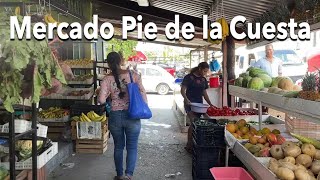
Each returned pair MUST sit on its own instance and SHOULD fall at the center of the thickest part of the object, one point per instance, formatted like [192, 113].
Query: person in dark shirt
[193, 89]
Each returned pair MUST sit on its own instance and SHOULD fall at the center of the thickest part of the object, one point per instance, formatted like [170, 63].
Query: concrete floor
[161, 151]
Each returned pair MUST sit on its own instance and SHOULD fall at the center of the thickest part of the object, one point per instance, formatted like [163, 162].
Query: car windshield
[287, 56]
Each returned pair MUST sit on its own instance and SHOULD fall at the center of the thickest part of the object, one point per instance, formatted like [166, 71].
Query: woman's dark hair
[202, 65]
[114, 60]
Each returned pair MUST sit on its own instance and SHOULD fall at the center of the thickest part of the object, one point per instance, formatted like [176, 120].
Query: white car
[156, 79]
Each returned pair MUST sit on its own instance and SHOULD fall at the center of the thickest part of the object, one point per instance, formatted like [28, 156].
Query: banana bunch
[53, 112]
[49, 19]
[17, 11]
[225, 27]
[95, 117]
[90, 117]
[225, 31]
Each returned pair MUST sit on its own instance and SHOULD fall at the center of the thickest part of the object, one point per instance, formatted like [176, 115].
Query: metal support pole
[260, 115]
[95, 73]
[12, 148]
[227, 156]
[34, 142]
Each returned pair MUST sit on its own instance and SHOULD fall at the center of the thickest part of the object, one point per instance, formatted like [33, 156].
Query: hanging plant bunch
[24, 64]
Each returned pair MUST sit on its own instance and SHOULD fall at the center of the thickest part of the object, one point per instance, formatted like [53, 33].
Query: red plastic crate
[230, 173]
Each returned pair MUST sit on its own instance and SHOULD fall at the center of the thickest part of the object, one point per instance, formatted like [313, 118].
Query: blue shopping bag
[138, 109]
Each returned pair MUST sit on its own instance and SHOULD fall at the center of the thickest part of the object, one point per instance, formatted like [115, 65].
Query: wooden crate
[27, 175]
[104, 127]
[90, 146]
[56, 129]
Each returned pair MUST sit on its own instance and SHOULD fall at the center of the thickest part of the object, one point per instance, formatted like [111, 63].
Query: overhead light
[144, 3]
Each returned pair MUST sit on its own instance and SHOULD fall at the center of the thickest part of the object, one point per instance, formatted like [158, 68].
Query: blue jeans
[125, 132]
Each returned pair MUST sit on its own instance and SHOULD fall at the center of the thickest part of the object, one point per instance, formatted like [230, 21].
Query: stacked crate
[208, 148]
[85, 145]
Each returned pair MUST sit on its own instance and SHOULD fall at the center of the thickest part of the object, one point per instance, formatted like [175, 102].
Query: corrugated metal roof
[197, 8]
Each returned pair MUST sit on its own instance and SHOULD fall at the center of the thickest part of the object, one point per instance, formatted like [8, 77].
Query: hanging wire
[222, 9]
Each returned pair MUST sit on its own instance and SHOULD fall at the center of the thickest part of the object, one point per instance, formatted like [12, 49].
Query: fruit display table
[307, 110]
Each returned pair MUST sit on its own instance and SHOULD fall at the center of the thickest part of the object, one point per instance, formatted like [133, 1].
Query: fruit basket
[88, 79]
[78, 93]
[54, 114]
[80, 63]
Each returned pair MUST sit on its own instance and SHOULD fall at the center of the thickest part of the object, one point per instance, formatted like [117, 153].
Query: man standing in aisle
[271, 64]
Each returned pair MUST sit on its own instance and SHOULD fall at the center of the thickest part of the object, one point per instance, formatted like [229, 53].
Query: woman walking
[124, 131]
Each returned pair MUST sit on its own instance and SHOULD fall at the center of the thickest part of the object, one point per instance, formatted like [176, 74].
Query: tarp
[138, 57]
[314, 63]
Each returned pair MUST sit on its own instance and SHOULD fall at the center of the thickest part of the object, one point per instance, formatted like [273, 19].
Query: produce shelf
[304, 109]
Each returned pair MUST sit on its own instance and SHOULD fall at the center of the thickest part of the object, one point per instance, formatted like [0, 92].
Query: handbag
[138, 108]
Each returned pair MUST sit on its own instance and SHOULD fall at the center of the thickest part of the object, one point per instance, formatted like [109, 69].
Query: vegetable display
[24, 63]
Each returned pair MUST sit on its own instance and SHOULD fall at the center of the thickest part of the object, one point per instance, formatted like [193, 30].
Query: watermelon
[267, 80]
[248, 70]
[255, 83]
[244, 74]
[245, 81]
[238, 81]
[254, 72]
[275, 81]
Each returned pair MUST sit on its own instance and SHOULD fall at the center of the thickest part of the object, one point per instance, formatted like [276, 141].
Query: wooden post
[230, 63]
[225, 74]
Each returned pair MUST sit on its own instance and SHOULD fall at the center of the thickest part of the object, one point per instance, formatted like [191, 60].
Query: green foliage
[15, 56]
[126, 47]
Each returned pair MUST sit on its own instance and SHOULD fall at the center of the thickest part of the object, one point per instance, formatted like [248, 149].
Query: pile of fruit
[258, 79]
[90, 117]
[242, 130]
[82, 77]
[79, 62]
[78, 93]
[298, 161]
[259, 146]
[227, 111]
[53, 112]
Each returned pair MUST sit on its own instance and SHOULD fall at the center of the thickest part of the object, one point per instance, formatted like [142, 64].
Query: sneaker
[128, 177]
[118, 178]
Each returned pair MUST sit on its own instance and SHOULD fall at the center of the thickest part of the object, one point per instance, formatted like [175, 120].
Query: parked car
[156, 79]
[168, 68]
[293, 66]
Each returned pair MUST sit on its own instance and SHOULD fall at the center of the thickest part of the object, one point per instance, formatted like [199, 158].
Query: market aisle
[161, 151]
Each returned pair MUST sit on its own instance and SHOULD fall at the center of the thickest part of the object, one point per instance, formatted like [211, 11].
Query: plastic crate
[201, 174]
[42, 130]
[77, 109]
[195, 176]
[42, 159]
[234, 173]
[20, 126]
[207, 157]
[207, 132]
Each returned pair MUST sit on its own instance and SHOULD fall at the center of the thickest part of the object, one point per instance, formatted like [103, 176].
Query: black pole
[34, 142]
[12, 149]
[95, 73]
